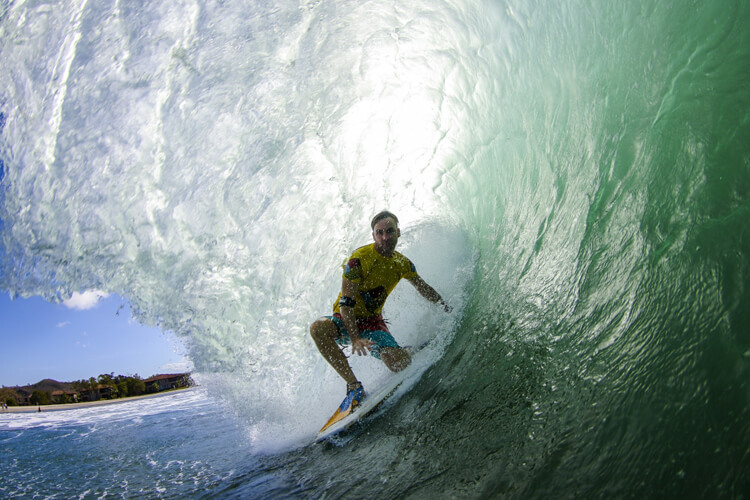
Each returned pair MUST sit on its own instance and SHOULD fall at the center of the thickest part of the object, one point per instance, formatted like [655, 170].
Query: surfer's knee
[323, 328]
[316, 328]
[396, 359]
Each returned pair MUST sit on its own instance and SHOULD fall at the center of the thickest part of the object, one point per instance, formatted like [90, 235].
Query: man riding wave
[369, 275]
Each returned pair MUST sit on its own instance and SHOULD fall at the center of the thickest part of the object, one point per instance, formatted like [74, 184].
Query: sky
[88, 335]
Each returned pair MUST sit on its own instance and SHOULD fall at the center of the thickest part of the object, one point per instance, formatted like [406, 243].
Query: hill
[48, 385]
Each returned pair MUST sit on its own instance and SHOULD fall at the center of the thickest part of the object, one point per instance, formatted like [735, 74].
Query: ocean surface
[573, 176]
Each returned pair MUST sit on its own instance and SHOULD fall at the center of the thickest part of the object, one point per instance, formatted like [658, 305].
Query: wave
[573, 177]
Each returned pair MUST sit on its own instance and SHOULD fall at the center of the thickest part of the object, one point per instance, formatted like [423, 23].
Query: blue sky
[86, 336]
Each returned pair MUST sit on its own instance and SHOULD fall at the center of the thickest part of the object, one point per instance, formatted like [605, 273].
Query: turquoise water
[573, 176]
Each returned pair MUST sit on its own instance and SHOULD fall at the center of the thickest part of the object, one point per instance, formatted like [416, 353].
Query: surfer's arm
[350, 290]
[429, 293]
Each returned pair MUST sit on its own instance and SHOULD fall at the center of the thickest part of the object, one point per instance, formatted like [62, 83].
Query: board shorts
[372, 328]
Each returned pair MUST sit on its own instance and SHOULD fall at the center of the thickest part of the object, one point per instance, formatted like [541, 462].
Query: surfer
[370, 274]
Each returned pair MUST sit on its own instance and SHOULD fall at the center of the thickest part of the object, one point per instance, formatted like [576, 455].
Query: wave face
[574, 177]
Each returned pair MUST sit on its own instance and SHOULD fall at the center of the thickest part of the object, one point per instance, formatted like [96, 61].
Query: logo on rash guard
[353, 270]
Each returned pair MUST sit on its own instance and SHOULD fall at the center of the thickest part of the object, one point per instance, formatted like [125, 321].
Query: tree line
[107, 386]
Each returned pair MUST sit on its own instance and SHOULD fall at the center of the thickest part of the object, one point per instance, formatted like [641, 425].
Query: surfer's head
[385, 233]
[382, 215]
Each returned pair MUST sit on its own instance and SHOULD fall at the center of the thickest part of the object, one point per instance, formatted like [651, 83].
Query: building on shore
[101, 391]
[159, 383]
[24, 397]
[61, 397]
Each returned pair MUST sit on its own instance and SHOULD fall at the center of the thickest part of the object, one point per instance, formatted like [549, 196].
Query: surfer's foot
[355, 393]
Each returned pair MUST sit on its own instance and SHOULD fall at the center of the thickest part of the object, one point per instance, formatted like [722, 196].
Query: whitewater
[573, 177]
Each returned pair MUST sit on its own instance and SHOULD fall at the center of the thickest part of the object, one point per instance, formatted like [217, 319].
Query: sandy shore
[74, 406]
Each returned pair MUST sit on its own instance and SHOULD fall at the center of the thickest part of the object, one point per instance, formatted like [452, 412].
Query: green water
[605, 352]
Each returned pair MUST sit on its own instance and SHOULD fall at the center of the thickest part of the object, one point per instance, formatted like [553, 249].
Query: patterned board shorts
[372, 328]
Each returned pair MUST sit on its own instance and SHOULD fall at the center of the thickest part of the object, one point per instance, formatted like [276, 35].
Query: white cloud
[63, 324]
[85, 300]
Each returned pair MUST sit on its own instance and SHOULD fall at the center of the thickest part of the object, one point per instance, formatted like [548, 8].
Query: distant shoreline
[101, 402]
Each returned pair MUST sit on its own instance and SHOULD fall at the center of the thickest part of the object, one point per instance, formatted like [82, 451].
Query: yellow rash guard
[376, 276]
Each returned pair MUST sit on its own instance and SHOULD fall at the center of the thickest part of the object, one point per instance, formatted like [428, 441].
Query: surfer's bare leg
[395, 358]
[324, 332]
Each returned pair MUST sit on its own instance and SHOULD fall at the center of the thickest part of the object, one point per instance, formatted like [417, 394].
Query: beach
[74, 406]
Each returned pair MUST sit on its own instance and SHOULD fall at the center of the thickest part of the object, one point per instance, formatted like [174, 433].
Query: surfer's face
[386, 234]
